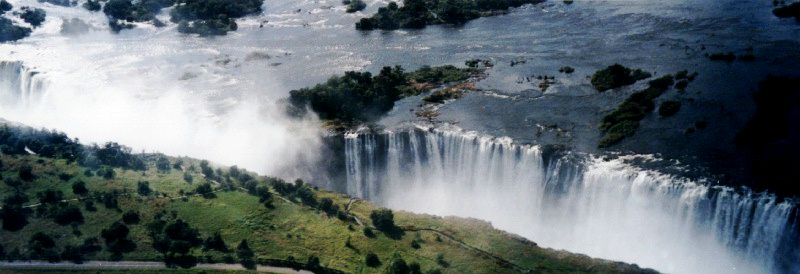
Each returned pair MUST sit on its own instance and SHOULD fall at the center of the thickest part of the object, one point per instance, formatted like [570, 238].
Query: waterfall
[20, 85]
[603, 208]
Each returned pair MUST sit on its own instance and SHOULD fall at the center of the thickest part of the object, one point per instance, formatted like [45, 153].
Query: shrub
[566, 69]
[79, 188]
[143, 188]
[107, 173]
[681, 85]
[669, 108]
[368, 232]
[398, 266]
[68, 215]
[727, 57]
[624, 120]
[50, 196]
[162, 164]
[130, 217]
[32, 16]
[215, 242]
[441, 261]
[616, 76]
[383, 219]
[92, 5]
[205, 190]
[26, 172]
[355, 5]
[245, 255]
[117, 242]
[5, 6]
[372, 260]
[791, 10]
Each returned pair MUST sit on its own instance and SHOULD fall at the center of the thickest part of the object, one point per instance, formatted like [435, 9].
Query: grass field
[289, 230]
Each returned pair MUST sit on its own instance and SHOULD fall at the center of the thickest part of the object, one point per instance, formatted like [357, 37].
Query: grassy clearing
[289, 230]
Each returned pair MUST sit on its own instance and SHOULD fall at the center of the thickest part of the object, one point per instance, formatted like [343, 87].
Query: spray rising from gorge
[603, 208]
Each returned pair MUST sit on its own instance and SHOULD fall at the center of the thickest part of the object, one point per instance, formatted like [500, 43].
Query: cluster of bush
[42, 246]
[360, 96]
[616, 76]
[212, 17]
[203, 17]
[730, 57]
[9, 31]
[786, 11]
[624, 120]
[33, 16]
[56, 145]
[416, 14]
[355, 96]
[354, 5]
[130, 11]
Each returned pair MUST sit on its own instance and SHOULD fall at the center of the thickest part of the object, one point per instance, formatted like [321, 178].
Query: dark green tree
[131, 217]
[245, 255]
[79, 188]
[372, 260]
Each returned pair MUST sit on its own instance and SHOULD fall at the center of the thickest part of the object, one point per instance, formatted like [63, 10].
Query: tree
[118, 9]
[26, 172]
[355, 5]
[163, 164]
[215, 242]
[205, 190]
[327, 206]
[372, 260]
[245, 255]
[92, 5]
[14, 183]
[15, 217]
[143, 188]
[107, 173]
[79, 188]
[313, 263]
[264, 196]
[5, 6]
[50, 196]
[116, 238]
[383, 219]
[32, 16]
[41, 246]
[130, 217]
[11, 32]
[398, 266]
[68, 215]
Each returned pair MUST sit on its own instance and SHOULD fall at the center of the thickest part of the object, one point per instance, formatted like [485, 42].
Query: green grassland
[289, 229]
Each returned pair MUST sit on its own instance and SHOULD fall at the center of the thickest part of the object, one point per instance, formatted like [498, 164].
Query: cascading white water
[23, 85]
[602, 208]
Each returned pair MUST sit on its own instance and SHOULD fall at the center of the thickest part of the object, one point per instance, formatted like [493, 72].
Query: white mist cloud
[125, 88]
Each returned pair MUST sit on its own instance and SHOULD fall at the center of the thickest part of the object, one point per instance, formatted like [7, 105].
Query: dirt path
[93, 265]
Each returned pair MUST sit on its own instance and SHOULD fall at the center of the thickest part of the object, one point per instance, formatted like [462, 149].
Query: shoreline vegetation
[417, 14]
[9, 31]
[623, 121]
[359, 97]
[202, 17]
[63, 201]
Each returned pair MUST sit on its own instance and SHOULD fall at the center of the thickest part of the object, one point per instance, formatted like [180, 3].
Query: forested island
[416, 14]
[358, 97]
